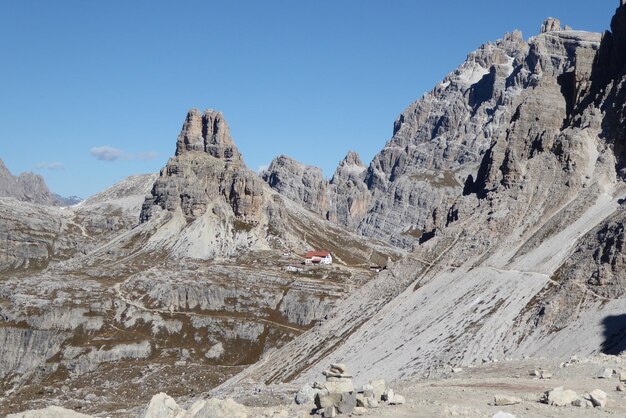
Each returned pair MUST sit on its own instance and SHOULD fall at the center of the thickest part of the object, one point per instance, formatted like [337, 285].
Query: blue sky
[94, 91]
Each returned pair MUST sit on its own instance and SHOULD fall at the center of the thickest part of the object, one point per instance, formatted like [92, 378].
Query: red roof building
[318, 257]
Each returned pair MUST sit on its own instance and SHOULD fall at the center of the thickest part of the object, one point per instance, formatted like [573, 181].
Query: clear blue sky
[310, 79]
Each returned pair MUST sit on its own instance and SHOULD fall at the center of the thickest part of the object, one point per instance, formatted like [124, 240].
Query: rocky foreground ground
[493, 389]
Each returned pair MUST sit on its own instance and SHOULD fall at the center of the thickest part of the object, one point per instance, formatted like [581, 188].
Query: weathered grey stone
[372, 403]
[339, 386]
[504, 400]
[605, 374]
[347, 403]
[324, 400]
[306, 394]
[501, 414]
[598, 398]
[330, 411]
[387, 395]
[560, 397]
[582, 403]
[340, 367]
[378, 386]
[163, 406]
[49, 412]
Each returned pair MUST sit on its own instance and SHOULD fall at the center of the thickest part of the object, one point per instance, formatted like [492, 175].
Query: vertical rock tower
[206, 174]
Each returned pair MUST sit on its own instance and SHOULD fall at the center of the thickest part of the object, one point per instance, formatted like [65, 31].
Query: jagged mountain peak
[352, 158]
[27, 187]
[207, 132]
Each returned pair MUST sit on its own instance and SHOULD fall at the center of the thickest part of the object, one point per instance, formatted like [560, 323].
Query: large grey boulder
[49, 412]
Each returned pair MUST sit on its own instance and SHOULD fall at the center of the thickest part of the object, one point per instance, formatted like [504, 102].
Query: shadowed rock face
[609, 93]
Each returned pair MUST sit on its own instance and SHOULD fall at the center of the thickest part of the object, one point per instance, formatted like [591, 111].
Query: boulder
[306, 394]
[367, 391]
[217, 408]
[503, 400]
[372, 403]
[324, 400]
[341, 368]
[501, 414]
[388, 395]
[560, 397]
[163, 406]
[598, 398]
[622, 376]
[49, 412]
[604, 374]
[347, 403]
[330, 411]
[397, 400]
[582, 403]
[339, 386]
[378, 386]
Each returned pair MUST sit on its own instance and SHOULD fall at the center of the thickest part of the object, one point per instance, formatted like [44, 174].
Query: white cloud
[54, 165]
[107, 153]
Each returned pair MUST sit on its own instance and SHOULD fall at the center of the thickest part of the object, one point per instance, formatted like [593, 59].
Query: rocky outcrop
[301, 183]
[551, 25]
[27, 187]
[207, 132]
[349, 196]
[207, 174]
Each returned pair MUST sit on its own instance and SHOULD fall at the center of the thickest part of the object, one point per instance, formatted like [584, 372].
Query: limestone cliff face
[506, 103]
[349, 196]
[207, 132]
[207, 173]
[298, 182]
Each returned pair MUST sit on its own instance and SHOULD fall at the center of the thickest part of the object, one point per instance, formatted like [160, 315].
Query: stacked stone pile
[337, 395]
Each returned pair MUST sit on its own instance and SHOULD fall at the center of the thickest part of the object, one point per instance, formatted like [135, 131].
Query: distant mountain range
[31, 187]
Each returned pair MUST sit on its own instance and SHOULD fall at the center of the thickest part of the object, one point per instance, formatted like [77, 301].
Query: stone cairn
[338, 396]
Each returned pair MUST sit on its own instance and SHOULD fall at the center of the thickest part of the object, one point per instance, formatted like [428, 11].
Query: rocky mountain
[189, 275]
[406, 193]
[527, 258]
[27, 187]
[506, 181]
